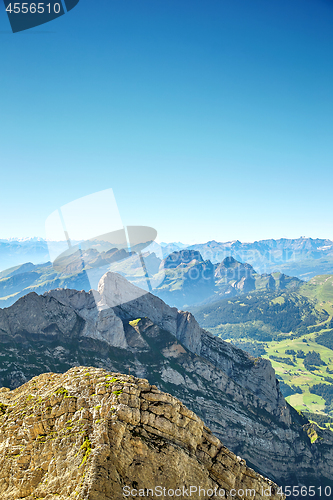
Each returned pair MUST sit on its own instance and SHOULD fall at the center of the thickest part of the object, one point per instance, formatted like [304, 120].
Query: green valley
[294, 330]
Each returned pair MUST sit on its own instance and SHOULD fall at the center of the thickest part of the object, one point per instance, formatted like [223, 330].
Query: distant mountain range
[182, 279]
[14, 252]
[301, 257]
[191, 280]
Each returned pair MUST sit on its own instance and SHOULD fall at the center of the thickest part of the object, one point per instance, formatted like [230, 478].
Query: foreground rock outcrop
[92, 434]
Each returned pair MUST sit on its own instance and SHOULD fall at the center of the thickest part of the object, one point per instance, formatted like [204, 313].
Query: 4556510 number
[33, 8]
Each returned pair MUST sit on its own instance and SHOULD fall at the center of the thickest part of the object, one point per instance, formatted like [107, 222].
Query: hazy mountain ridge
[14, 252]
[191, 280]
[186, 279]
[300, 257]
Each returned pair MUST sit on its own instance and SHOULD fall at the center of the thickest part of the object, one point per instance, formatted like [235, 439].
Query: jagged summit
[175, 259]
[228, 261]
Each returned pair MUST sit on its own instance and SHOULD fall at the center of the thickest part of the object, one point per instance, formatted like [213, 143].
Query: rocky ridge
[90, 434]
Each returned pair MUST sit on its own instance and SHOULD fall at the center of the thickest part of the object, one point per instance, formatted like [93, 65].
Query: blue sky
[208, 119]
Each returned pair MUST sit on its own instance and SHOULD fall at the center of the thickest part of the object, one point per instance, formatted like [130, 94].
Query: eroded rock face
[114, 289]
[61, 313]
[92, 434]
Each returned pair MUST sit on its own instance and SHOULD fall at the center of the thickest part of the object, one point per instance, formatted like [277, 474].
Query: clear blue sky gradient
[209, 119]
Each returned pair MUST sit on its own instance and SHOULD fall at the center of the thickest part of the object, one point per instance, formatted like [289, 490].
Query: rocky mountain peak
[117, 299]
[182, 257]
[228, 261]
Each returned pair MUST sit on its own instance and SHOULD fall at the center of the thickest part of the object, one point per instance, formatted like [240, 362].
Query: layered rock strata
[92, 434]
